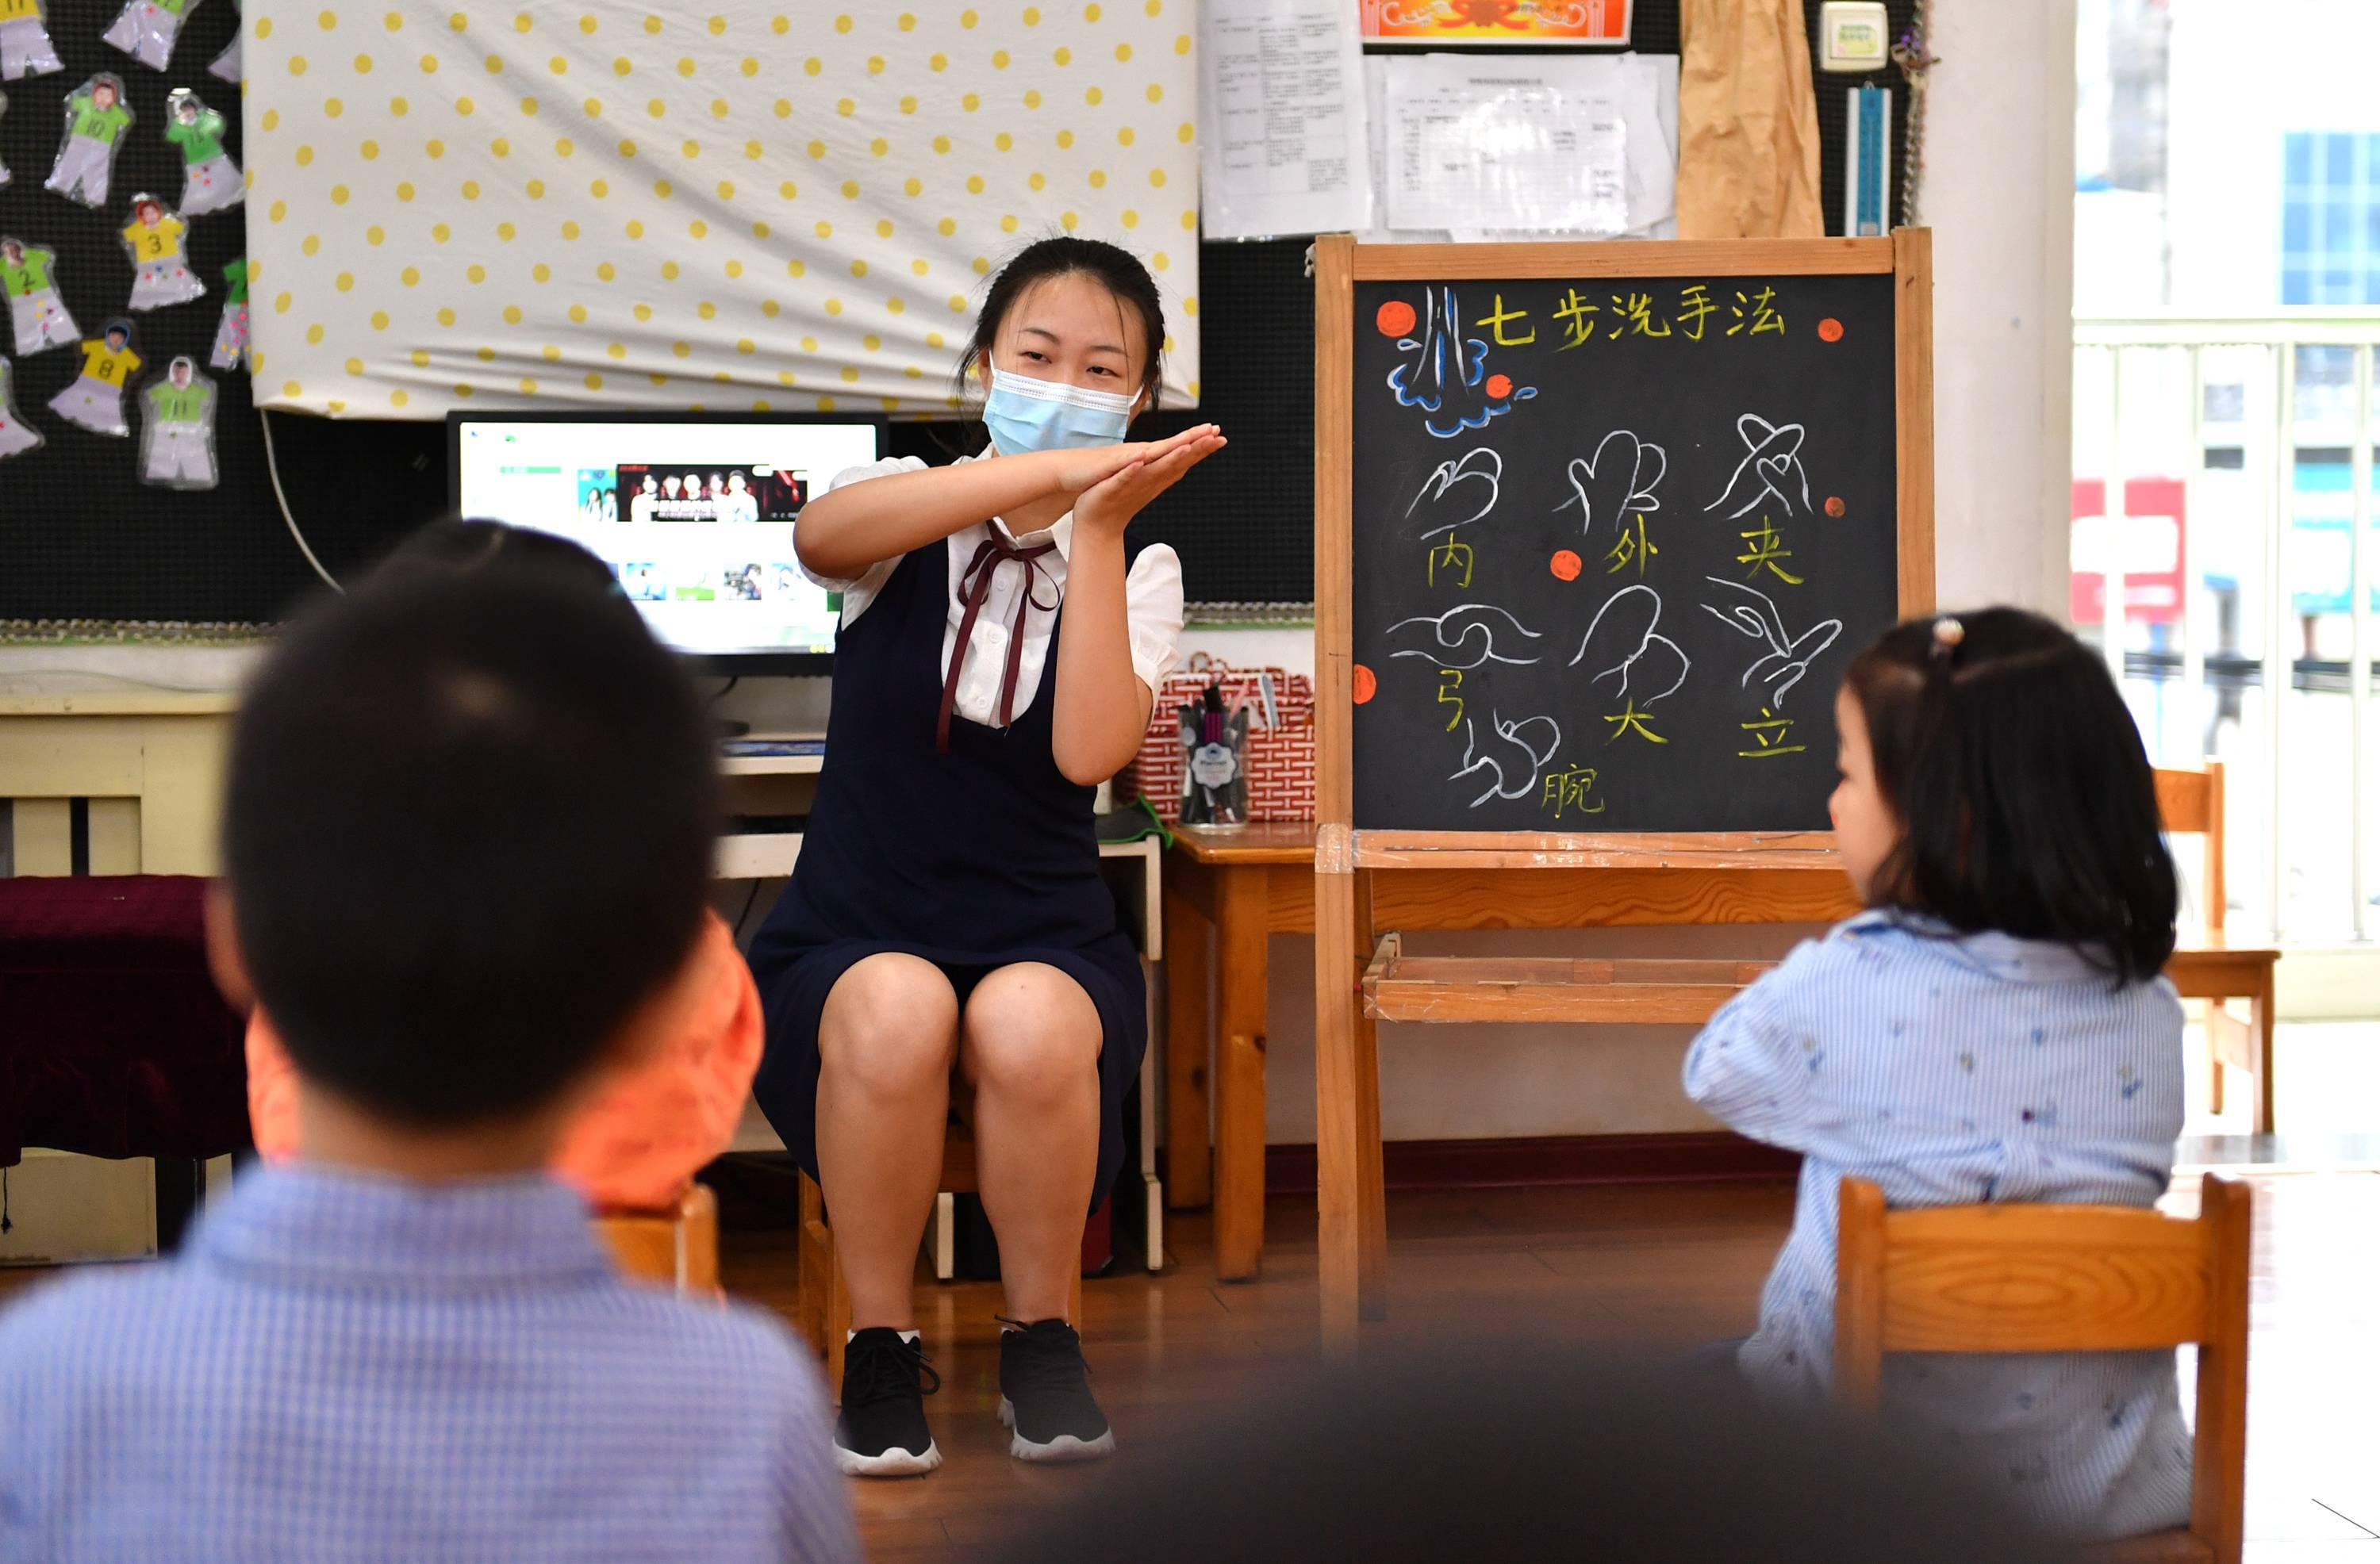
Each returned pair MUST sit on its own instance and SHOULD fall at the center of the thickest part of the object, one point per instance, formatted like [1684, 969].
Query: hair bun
[1948, 633]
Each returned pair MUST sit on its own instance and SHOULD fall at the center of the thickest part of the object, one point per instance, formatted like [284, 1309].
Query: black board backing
[81, 540]
[1610, 581]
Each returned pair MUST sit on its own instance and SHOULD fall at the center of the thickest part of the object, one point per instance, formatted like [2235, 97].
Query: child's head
[1082, 312]
[1991, 777]
[467, 831]
[118, 333]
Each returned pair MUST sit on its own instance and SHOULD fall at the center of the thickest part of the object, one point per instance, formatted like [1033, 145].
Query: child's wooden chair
[2064, 1278]
[677, 1247]
[824, 1309]
[2209, 967]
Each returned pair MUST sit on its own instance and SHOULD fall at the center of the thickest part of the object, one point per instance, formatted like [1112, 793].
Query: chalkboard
[1619, 518]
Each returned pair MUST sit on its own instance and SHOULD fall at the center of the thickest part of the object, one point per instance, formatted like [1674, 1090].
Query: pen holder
[1214, 764]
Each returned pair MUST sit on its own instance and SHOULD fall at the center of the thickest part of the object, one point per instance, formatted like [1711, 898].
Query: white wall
[1998, 193]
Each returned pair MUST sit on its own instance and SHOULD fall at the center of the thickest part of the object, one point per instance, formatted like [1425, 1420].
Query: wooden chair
[676, 1248]
[823, 1302]
[2056, 1279]
[2208, 967]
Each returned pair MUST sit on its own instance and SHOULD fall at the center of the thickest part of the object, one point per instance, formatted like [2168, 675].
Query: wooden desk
[1228, 889]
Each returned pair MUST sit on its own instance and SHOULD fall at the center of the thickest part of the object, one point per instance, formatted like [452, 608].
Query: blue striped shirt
[1953, 1071]
[344, 1367]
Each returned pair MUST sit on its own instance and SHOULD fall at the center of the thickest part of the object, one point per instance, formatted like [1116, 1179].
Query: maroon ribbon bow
[975, 588]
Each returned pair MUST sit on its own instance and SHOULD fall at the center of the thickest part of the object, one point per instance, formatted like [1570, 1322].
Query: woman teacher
[995, 663]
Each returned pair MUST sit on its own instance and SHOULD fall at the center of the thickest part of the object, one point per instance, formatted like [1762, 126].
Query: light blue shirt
[1953, 1071]
[340, 1367]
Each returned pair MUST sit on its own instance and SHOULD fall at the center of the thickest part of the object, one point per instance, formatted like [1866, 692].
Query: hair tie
[1948, 633]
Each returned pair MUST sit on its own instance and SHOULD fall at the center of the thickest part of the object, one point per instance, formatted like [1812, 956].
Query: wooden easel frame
[1347, 1082]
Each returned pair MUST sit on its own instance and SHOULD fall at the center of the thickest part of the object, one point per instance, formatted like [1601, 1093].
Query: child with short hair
[1993, 1028]
[673, 1102]
[467, 826]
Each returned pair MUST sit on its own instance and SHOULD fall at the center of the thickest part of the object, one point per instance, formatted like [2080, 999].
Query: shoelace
[1046, 1369]
[883, 1370]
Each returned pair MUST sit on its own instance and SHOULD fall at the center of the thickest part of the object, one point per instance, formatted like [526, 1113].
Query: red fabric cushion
[112, 1039]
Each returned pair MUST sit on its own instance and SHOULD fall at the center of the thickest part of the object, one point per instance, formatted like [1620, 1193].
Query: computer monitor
[694, 511]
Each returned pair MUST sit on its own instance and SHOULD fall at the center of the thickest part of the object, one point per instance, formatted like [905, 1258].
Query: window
[2330, 218]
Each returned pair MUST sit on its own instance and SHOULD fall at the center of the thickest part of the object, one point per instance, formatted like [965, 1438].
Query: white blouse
[1152, 590]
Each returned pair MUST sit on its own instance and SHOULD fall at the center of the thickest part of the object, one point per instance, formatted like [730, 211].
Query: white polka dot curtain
[746, 205]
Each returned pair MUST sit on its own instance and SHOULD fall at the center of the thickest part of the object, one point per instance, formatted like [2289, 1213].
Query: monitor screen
[695, 514]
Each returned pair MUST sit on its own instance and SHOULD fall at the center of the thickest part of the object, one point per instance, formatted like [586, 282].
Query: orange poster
[1533, 22]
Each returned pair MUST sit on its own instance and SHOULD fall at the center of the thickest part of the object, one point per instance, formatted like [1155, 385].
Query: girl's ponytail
[2025, 800]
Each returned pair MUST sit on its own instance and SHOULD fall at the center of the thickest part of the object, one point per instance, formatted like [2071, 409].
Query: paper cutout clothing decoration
[231, 331]
[25, 48]
[95, 401]
[3, 167]
[146, 29]
[17, 436]
[1445, 373]
[177, 429]
[95, 120]
[226, 65]
[162, 273]
[34, 309]
[211, 182]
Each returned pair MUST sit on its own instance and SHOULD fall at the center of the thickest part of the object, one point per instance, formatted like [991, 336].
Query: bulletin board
[1244, 523]
[118, 553]
[81, 536]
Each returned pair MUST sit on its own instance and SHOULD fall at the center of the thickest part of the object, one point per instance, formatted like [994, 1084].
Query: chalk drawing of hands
[1445, 374]
[1458, 492]
[1624, 644]
[1468, 630]
[1619, 478]
[1514, 754]
[1770, 472]
[1753, 612]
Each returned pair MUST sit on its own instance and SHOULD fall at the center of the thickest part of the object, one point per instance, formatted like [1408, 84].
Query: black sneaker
[882, 1431]
[1045, 1395]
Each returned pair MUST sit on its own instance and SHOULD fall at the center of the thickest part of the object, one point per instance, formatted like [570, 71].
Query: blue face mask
[1025, 413]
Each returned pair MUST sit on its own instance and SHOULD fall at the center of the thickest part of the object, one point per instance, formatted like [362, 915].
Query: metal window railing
[2287, 342]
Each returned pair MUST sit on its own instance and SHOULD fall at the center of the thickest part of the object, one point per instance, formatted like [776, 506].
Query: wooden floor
[1601, 1270]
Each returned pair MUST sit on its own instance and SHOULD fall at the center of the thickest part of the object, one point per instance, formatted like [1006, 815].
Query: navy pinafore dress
[974, 859]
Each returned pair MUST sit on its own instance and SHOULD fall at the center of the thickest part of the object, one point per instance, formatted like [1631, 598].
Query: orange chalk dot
[1395, 318]
[1830, 330]
[1834, 504]
[1566, 565]
[1367, 684]
[1499, 385]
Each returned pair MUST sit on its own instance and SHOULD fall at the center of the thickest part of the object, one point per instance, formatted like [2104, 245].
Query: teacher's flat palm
[1094, 465]
[1113, 502]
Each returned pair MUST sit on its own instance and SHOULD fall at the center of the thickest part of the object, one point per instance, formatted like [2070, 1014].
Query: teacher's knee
[891, 1027]
[1030, 1035]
